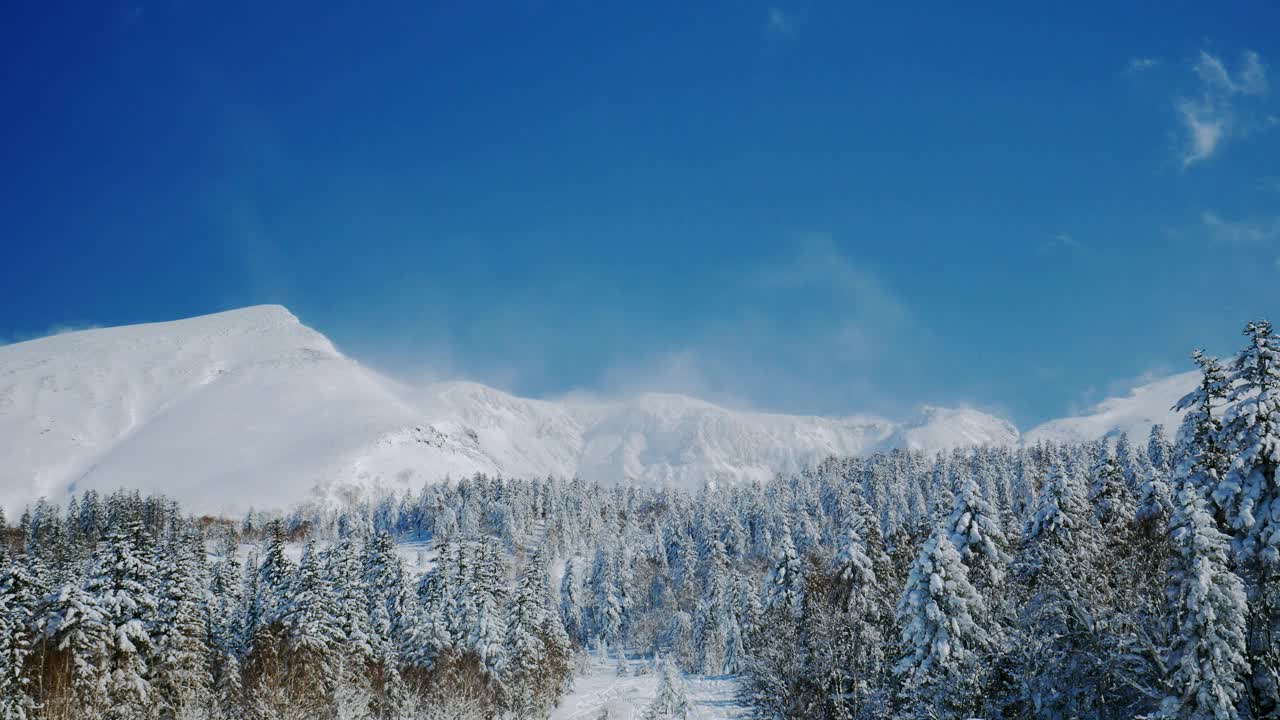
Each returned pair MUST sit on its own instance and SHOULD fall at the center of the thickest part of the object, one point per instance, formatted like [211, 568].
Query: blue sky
[801, 206]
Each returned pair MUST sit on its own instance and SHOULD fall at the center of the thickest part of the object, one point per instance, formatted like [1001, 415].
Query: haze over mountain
[252, 408]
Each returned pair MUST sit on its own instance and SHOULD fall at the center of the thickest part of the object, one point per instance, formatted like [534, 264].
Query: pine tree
[524, 646]
[1200, 435]
[77, 629]
[345, 576]
[226, 619]
[863, 614]
[1059, 644]
[942, 635]
[974, 530]
[119, 580]
[1109, 492]
[1061, 514]
[1155, 502]
[671, 700]
[1251, 434]
[183, 681]
[16, 635]
[275, 578]
[310, 619]
[435, 590]
[784, 588]
[572, 601]
[1208, 608]
[610, 599]
[488, 585]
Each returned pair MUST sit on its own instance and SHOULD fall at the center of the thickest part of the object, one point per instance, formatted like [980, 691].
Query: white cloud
[1214, 114]
[1206, 125]
[1240, 232]
[1140, 65]
[1251, 80]
[1061, 241]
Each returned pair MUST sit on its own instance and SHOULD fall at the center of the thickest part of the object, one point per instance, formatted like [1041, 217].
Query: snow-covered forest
[1128, 577]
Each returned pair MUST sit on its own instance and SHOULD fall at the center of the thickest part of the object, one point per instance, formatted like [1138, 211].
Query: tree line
[1096, 580]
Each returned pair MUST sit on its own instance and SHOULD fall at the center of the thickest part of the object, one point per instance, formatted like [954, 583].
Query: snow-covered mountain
[252, 408]
[1135, 413]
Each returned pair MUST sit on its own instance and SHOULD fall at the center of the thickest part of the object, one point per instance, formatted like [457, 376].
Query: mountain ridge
[251, 407]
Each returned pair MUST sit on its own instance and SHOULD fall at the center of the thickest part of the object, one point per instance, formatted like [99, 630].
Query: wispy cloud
[1240, 232]
[1250, 80]
[779, 21]
[59, 329]
[1061, 241]
[1139, 65]
[1215, 113]
[1087, 401]
[812, 330]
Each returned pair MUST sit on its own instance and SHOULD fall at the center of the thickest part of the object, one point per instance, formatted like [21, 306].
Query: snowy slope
[1135, 413]
[223, 411]
[600, 692]
[252, 408]
[937, 428]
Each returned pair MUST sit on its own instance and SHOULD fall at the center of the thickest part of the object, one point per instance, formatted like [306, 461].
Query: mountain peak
[250, 407]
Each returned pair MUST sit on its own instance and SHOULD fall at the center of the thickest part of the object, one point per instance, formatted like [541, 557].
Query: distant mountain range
[250, 408]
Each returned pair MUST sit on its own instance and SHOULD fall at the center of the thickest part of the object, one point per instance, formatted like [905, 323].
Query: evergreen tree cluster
[1100, 580]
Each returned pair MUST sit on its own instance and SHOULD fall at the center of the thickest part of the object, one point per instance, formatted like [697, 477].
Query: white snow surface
[1135, 413]
[251, 408]
[599, 689]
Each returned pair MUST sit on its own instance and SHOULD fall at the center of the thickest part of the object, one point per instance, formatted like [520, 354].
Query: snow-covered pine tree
[275, 578]
[489, 588]
[1109, 492]
[1059, 640]
[76, 630]
[572, 601]
[388, 586]
[1155, 501]
[608, 592]
[943, 637]
[1251, 437]
[865, 614]
[435, 590]
[785, 586]
[17, 629]
[120, 580]
[1200, 437]
[1251, 434]
[312, 632]
[1125, 458]
[1207, 606]
[525, 648]
[344, 574]
[226, 611]
[1159, 449]
[1061, 515]
[974, 529]
[182, 679]
[671, 701]
[713, 618]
